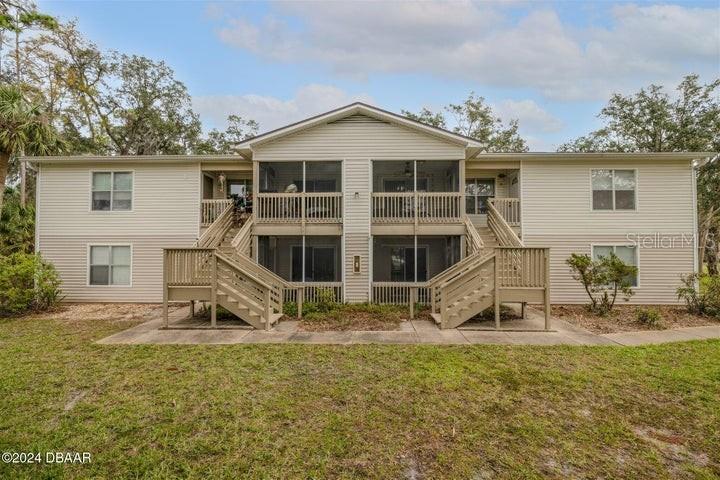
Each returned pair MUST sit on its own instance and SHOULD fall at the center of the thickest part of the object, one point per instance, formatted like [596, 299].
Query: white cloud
[481, 43]
[531, 117]
[272, 112]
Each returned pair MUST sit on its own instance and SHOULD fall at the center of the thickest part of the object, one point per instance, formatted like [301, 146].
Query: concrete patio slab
[541, 338]
[486, 337]
[321, 337]
[442, 337]
[262, 336]
[384, 337]
[409, 332]
[710, 331]
[652, 337]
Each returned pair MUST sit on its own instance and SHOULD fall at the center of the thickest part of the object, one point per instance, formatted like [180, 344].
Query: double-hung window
[110, 265]
[625, 253]
[477, 193]
[613, 189]
[112, 191]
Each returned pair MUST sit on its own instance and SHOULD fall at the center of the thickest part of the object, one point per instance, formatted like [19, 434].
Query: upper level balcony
[416, 192]
[299, 192]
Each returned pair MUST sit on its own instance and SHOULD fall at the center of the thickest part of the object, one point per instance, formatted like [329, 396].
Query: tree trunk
[23, 184]
[4, 162]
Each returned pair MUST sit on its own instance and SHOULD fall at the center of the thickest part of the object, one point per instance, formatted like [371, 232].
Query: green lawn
[303, 411]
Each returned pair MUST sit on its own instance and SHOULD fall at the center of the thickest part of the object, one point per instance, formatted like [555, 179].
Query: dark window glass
[100, 275]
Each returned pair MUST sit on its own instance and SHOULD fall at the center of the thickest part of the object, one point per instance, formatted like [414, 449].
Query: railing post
[443, 312]
[165, 288]
[299, 300]
[268, 309]
[547, 289]
[413, 294]
[213, 293]
[432, 299]
[496, 273]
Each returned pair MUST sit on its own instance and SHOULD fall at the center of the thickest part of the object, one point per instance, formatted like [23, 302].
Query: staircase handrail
[502, 230]
[212, 237]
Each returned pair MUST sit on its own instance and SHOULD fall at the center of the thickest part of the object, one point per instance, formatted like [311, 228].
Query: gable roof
[357, 108]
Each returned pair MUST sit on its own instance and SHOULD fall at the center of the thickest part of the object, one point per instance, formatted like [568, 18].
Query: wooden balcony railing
[509, 209]
[400, 292]
[325, 207]
[416, 207]
[211, 209]
[315, 291]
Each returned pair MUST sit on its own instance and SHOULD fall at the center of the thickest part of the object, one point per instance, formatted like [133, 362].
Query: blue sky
[552, 65]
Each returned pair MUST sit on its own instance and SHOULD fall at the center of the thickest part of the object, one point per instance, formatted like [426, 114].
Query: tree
[708, 193]
[219, 142]
[603, 279]
[17, 225]
[142, 109]
[473, 118]
[650, 121]
[653, 121]
[426, 116]
[17, 17]
[23, 128]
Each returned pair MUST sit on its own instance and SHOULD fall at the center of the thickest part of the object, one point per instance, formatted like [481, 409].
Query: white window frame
[88, 265]
[112, 182]
[475, 197]
[614, 246]
[613, 209]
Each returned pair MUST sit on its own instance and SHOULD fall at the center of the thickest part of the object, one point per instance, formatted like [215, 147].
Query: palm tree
[23, 128]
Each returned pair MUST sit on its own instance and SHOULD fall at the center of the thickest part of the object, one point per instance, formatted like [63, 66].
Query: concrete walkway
[410, 332]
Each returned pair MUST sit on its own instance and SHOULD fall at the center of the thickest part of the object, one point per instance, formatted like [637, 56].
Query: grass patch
[370, 411]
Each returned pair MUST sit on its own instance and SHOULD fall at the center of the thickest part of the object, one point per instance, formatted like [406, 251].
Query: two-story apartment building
[364, 205]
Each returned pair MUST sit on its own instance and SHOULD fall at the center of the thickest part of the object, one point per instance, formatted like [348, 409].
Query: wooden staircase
[244, 295]
[497, 267]
[220, 269]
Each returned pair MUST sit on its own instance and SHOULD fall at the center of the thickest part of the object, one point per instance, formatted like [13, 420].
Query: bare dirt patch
[113, 312]
[623, 318]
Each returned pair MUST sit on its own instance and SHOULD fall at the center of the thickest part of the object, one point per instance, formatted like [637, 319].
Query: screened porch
[299, 192]
[416, 191]
[403, 262]
[312, 261]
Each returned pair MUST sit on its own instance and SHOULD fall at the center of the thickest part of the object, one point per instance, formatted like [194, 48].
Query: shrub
[648, 316]
[27, 282]
[701, 293]
[290, 309]
[325, 299]
[603, 279]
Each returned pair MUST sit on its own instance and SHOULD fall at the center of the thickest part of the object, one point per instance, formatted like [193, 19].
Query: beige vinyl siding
[659, 269]
[358, 136]
[165, 213]
[356, 174]
[557, 198]
[69, 254]
[165, 201]
[557, 213]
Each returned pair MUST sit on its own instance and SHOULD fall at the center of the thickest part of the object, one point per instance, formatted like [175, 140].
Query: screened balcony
[312, 261]
[291, 192]
[416, 192]
[403, 262]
